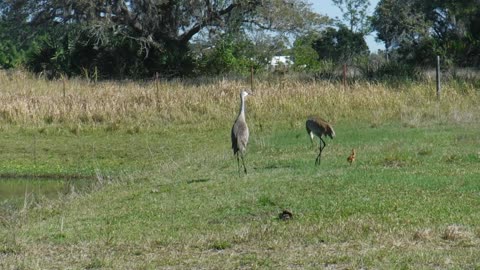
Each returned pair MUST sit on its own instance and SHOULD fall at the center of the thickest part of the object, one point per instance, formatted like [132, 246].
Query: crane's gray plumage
[316, 126]
[239, 133]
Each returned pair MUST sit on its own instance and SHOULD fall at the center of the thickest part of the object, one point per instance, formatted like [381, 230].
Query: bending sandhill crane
[239, 133]
[316, 126]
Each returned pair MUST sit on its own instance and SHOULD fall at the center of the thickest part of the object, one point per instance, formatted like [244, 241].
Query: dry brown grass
[456, 232]
[423, 235]
[27, 100]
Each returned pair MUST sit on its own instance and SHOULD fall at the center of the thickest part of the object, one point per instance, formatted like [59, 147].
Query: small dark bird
[316, 126]
[239, 133]
[285, 215]
[351, 158]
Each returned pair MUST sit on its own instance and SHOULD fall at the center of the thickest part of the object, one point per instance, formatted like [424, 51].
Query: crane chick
[352, 156]
[316, 126]
[239, 133]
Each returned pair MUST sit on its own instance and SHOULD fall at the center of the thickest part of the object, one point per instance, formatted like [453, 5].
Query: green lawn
[174, 199]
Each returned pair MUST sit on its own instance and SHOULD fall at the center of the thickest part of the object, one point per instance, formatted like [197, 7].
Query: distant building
[280, 62]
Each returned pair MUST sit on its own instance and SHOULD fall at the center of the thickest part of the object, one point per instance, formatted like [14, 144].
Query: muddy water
[15, 193]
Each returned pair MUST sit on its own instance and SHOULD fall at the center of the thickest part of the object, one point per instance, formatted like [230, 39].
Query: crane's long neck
[241, 114]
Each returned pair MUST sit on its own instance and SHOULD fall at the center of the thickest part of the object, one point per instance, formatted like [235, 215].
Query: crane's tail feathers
[308, 130]
[331, 132]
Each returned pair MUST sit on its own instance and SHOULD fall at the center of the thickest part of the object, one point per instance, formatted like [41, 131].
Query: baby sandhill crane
[240, 133]
[351, 158]
[316, 126]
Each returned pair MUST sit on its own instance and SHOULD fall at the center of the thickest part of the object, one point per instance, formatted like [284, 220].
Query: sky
[326, 7]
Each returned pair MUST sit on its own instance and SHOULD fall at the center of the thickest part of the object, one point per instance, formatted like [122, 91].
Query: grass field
[168, 194]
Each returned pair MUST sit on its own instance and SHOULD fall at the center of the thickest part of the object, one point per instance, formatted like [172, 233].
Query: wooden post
[157, 88]
[251, 78]
[344, 76]
[439, 90]
[64, 86]
[35, 150]
[96, 74]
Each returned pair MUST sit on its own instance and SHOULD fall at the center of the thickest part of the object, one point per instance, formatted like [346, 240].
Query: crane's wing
[239, 136]
[233, 137]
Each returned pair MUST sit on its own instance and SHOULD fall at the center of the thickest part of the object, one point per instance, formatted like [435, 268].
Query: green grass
[176, 200]
[166, 192]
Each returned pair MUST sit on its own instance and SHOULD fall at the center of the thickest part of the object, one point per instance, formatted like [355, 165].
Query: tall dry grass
[27, 100]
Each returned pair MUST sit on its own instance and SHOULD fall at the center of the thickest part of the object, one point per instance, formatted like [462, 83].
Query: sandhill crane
[319, 127]
[239, 133]
[351, 158]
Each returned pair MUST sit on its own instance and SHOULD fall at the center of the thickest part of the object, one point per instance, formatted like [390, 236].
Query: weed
[220, 245]
[96, 263]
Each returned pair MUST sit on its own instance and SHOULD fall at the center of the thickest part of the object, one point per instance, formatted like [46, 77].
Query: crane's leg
[238, 163]
[324, 144]
[317, 161]
[243, 162]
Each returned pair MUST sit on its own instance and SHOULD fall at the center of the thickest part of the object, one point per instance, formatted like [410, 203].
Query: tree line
[116, 39]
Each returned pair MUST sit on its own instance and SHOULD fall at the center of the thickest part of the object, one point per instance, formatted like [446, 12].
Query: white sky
[326, 7]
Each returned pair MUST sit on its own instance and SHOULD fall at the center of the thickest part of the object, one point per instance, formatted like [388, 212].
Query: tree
[159, 30]
[355, 14]
[11, 54]
[420, 30]
[306, 57]
[399, 22]
[340, 45]
[453, 29]
[228, 54]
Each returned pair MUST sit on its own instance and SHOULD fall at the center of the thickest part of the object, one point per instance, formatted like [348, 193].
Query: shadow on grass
[274, 166]
[201, 180]
[45, 176]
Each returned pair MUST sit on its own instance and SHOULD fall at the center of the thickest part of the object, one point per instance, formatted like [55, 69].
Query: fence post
[439, 90]
[64, 86]
[251, 78]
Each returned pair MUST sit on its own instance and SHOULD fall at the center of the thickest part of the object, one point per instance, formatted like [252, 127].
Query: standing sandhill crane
[319, 127]
[240, 133]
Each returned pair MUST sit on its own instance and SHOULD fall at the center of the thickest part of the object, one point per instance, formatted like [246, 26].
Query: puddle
[13, 191]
